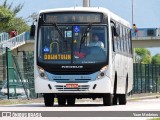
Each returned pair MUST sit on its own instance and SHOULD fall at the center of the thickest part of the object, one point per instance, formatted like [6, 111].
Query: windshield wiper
[84, 36]
[59, 31]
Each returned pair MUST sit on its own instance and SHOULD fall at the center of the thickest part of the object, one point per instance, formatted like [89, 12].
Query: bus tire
[71, 101]
[122, 99]
[115, 98]
[107, 99]
[48, 99]
[61, 100]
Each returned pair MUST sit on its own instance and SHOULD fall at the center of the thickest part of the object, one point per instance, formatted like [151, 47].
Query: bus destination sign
[72, 18]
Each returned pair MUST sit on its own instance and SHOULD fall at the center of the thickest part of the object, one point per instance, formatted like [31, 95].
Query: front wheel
[61, 100]
[71, 101]
[115, 98]
[48, 99]
[107, 99]
[122, 99]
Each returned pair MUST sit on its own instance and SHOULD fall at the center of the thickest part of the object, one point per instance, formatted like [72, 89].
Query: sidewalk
[143, 96]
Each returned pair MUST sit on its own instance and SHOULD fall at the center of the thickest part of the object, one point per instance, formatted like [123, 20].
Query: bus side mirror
[32, 30]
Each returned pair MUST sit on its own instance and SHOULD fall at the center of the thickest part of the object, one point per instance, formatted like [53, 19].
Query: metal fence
[17, 76]
[146, 32]
[14, 42]
[146, 78]
[2, 67]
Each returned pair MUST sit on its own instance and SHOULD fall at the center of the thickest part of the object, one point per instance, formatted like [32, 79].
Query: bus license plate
[71, 85]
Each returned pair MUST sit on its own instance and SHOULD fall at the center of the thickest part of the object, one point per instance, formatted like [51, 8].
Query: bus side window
[124, 40]
[127, 41]
[113, 39]
[115, 34]
[121, 47]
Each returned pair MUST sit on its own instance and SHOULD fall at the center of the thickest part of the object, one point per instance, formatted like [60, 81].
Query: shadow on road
[56, 105]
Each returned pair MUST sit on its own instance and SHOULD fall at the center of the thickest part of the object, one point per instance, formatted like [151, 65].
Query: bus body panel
[118, 64]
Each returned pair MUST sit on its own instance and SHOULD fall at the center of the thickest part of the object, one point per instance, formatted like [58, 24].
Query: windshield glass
[73, 44]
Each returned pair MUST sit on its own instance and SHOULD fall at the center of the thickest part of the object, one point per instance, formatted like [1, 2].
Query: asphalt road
[146, 105]
[134, 105]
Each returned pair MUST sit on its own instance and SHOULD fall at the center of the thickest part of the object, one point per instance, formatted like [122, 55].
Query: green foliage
[18, 8]
[8, 19]
[143, 55]
[154, 119]
[156, 59]
[20, 25]
[15, 10]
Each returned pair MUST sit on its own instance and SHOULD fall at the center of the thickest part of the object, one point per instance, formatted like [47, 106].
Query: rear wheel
[107, 99]
[115, 98]
[61, 100]
[48, 99]
[71, 101]
[123, 97]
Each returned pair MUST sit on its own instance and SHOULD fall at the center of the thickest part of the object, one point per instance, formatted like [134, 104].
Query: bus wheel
[71, 101]
[48, 99]
[107, 99]
[115, 100]
[122, 99]
[61, 100]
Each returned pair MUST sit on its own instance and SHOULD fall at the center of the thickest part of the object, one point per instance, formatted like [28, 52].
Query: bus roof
[90, 9]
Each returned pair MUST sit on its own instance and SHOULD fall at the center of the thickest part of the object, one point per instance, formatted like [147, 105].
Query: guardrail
[146, 32]
[14, 42]
[4, 36]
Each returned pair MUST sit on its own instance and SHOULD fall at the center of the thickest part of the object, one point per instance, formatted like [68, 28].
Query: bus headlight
[102, 72]
[42, 73]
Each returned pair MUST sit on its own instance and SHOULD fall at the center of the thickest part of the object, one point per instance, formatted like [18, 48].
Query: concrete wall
[29, 46]
[146, 43]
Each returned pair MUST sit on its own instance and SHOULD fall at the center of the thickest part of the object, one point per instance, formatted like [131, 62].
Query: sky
[146, 12]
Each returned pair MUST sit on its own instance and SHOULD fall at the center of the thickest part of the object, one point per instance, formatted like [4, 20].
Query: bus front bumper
[98, 86]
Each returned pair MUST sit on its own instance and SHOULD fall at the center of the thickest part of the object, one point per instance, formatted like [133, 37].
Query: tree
[20, 25]
[156, 59]
[142, 55]
[9, 20]
[6, 19]
[15, 10]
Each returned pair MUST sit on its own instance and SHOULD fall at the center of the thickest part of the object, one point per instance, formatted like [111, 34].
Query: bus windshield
[77, 44]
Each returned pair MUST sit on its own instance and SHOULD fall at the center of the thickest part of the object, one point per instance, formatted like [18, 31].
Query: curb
[143, 97]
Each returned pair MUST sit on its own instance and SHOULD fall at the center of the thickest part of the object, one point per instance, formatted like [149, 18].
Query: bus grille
[80, 88]
[72, 81]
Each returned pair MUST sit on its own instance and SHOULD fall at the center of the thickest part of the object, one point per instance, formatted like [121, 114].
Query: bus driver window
[96, 42]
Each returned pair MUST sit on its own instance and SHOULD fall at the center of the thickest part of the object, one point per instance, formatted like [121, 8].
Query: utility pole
[86, 3]
[132, 12]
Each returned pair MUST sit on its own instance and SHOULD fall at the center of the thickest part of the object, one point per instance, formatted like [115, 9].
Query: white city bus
[70, 64]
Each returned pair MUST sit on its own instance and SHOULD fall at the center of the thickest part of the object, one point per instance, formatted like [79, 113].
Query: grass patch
[22, 101]
[154, 119]
[19, 101]
[10, 102]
